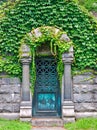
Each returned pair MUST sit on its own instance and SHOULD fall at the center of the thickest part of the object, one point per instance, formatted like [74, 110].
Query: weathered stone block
[10, 95]
[6, 81]
[16, 107]
[9, 107]
[78, 98]
[16, 98]
[5, 89]
[83, 79]
[85, 107]
[16, 89]
[14, 81]
[5, 98]
[85, 93]
[81, 88]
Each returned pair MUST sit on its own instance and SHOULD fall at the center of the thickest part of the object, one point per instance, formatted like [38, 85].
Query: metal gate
[46, 101]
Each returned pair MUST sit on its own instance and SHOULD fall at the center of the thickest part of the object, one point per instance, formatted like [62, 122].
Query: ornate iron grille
[47, 94]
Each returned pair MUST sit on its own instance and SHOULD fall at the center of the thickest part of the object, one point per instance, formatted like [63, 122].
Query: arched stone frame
[68, 114]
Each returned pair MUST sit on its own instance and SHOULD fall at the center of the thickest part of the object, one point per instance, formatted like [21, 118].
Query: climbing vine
[18, 19]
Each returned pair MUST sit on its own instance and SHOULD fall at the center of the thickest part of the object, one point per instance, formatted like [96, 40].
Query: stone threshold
[47, 122]
[48, 128]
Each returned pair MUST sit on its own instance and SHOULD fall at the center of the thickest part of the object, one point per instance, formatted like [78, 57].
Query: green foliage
[52, 37]
[13, 125]
[83, 124]
[91, 5]
[26, 15]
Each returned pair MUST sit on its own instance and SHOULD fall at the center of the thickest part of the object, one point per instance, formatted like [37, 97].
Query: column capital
[25, 54]
[67, 58]
[25, 60]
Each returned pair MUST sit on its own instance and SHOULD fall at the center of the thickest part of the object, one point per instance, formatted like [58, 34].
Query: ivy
[56, 39]
[18, 19]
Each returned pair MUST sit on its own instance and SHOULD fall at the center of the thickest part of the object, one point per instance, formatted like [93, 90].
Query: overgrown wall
[21, 17]
[10, 97]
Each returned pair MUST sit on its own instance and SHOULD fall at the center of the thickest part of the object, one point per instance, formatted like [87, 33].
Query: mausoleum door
[46, 100]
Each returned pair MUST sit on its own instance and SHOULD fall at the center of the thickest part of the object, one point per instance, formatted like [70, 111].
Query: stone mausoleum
[52, 101]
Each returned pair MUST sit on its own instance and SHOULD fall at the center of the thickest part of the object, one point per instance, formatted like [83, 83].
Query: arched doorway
[47, 97]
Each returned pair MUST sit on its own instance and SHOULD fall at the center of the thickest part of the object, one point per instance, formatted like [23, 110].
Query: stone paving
[48, 128]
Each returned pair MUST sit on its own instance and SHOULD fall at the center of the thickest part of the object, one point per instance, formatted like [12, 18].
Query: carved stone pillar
[26, 99]
[68, 114]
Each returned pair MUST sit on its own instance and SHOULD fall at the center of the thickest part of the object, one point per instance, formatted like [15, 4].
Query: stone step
[48, 122]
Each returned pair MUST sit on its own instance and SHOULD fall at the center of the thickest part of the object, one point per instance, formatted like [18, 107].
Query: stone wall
[84, 92]
[9, 96]
[85, 95]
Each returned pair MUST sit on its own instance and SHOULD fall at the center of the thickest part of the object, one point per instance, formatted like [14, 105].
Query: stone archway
[68, 114]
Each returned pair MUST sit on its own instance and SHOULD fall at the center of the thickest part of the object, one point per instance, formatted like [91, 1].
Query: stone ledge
[68, 120]
[85, 114]
[10, 116]
[25, 119]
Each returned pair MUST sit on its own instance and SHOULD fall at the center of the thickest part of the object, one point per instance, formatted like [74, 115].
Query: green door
[46, 101]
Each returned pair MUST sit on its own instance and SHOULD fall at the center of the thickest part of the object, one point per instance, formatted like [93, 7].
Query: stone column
[25, 79]
[68, 114]
[26, 98]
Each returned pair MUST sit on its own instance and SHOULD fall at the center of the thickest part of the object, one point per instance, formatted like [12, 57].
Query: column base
[26, 111]
[68, 114]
